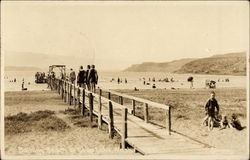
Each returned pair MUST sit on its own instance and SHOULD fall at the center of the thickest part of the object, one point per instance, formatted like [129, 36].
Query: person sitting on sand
[235, 122]
[210, 107]
[224, 122]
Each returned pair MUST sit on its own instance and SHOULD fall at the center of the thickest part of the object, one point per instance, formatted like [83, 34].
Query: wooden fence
[78, 96]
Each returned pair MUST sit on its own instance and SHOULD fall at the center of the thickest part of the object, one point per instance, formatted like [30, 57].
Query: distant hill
[159, 67]
[21, 68]
[226, 64]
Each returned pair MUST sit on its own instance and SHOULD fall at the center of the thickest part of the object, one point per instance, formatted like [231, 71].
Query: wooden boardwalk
[143, 137]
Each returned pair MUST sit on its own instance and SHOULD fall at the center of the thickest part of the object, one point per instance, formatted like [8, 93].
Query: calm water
[133, 79]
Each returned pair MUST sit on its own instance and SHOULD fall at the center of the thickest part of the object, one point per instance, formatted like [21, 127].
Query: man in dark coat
[81, 78]
[93, 78]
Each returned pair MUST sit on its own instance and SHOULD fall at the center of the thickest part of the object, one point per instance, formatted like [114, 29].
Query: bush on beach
[36, 121]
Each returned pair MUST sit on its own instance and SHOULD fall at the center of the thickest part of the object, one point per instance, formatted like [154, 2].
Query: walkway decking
[144, 137]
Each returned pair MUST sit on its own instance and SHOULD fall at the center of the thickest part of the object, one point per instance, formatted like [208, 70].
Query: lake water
[133, 79]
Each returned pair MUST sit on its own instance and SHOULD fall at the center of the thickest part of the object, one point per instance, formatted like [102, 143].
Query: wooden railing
[77, 96]
[145, 103]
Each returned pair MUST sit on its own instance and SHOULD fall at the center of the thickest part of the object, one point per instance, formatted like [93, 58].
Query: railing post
[124, 127]
[78, 97]
[70, 94]
[121, 100]
[83, 101]
[109, 95]
[168, 120]
[74, 95]
[111, 120]
[133, 106]
[146, 112]
[91, 106]
[58, 89]
[62, 89]
[65, 92]
[100, 110]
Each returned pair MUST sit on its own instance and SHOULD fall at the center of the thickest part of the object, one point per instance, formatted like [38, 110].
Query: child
[210, 107]
[224, 122]
[235, 122]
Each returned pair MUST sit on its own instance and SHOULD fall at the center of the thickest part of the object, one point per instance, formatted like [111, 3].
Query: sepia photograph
[124, 80]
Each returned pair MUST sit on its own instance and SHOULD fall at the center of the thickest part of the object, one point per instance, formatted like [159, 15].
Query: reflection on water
[133, 78]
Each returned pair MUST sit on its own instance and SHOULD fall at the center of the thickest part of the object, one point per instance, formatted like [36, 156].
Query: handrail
[66, 88]
[151, 103]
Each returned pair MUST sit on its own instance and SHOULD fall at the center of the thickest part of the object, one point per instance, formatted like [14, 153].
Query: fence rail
[104, 108]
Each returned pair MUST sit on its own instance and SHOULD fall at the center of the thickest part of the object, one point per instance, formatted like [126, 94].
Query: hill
[159, 67]
[225, 64]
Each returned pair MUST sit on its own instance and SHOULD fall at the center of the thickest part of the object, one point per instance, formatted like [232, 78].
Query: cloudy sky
[118, 34]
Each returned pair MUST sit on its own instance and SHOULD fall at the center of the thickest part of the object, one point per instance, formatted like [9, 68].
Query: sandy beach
[83, 140]
[187, 114]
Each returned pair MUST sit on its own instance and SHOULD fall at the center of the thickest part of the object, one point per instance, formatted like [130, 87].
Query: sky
[119, 34]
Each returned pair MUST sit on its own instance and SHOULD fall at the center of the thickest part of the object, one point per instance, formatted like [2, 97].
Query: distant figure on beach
[14, 79]
[48, 80]
[23, 88]
[153, 86]
[126, 80]
[23, 84]
[191, 80]
[93, 78]
[87, 77]
[72, 76]
[118, 80]
[153, 79]
[81, 78]
[135, 89]
[144, 82]
[172, 79]
[210, 107]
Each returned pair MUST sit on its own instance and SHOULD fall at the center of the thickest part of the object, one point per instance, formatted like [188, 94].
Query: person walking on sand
[72, 76]
[210, 107]
[81, 78]
[87, 77]
[93, 78]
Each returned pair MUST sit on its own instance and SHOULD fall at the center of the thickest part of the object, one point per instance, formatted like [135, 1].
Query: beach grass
[40, 123]
[36, 121]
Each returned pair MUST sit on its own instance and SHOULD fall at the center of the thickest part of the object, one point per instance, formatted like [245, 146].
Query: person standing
[210, 107]
[87, 77]
[72, 76]
[93, 78]
[81, 78]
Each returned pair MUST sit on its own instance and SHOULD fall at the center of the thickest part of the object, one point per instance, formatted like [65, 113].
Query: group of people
[85, 78]
[212, 111]
[119, 80]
